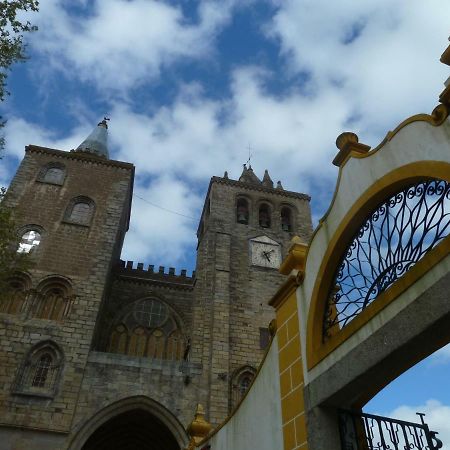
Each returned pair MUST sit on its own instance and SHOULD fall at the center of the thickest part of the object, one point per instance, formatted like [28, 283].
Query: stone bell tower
[244, 232]
[72, 210]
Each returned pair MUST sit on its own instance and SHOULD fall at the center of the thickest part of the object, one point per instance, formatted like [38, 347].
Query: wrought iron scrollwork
[361, 431]
[390, 241]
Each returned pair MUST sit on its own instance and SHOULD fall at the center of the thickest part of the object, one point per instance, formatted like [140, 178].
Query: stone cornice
[260, 188]
[79, 156]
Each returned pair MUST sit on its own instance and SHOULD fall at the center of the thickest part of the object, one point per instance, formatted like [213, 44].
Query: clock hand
[266, 255]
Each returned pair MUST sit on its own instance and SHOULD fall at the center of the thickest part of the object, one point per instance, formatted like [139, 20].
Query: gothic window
[264, 216]
[40, 372]
[52, 173]
[241, 381]
[242, 211]
[80, 211]
[286, 219]
[12, 299]
[29, 241]
[53, 300]
[148, 329]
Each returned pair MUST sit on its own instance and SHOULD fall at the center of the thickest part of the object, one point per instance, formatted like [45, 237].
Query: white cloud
[120, 44]
[388, 71]
[156, 235]
[437, 417]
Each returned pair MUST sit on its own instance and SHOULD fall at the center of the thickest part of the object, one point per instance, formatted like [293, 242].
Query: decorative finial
[347, 143]
[104, 123]
[267, 181]
[199, 428]
[225, 175]
[279, 185]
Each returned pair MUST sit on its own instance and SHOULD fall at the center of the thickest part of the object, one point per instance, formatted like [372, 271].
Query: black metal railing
[361, 431]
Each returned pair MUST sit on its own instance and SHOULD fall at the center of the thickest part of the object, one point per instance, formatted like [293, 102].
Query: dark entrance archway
[136, 429]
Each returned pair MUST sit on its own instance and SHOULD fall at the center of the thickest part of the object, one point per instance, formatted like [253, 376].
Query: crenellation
[215, 313]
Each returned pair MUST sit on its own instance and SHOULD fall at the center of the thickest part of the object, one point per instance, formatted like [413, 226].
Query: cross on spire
[249, 155]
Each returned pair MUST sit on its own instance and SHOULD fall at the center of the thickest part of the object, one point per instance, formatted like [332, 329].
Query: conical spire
[248, 176]
[97, 142]
[267, 181]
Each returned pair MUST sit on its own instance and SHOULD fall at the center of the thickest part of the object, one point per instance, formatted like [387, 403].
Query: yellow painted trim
[283, 292]
[295, 260]
[436, 118]
[316, 349]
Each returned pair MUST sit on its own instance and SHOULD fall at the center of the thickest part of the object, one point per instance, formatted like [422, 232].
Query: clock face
[265, 252]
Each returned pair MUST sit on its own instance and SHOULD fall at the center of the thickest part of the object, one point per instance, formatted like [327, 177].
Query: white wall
[257, 422]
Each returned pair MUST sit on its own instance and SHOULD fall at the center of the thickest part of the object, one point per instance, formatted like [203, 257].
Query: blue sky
[188, 85]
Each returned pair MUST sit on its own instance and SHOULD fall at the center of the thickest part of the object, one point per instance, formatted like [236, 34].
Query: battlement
[130, 268]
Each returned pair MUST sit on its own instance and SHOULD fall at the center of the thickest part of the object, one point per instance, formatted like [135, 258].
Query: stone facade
[219, 315]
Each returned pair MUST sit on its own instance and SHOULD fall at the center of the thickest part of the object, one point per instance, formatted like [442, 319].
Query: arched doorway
[133, 423]
[132, 430]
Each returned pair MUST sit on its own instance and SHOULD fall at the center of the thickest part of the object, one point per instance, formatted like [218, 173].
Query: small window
[29, 241]
[264, 338]
[242, 213]
[53, 300]
[52, 173]
[264, 216]
[40, 372]
[80, 211]
[12, 299]
[286, 219]
[240, 383]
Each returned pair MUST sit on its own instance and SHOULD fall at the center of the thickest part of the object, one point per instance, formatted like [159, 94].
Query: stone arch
[264, 211]
[129, 406]
[243, 208]
[14, 299]
[41, 370]
[288, 217]
[80, 211]
[53, 172]
[241, 380]
[53, 299]
[386, 186]
[165, 340]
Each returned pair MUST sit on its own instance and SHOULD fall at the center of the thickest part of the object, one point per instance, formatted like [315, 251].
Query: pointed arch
[156, 410]
[148, 327]
[40, 371]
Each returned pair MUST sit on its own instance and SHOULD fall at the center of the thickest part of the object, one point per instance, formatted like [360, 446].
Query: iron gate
[361, 431]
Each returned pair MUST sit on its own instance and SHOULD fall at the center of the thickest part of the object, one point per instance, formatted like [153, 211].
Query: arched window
[286, 219]
[12, 299]
[264, 216]
[242, 211]
[149, 328]
[80, 211]
[241, 381]
[29, 241]
[40, 372]
[52, 173]
[53, 300]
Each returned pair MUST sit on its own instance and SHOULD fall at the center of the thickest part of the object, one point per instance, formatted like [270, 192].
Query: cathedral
[101, 353]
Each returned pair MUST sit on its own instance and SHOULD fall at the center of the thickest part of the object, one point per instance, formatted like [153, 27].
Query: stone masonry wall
[82, 255]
